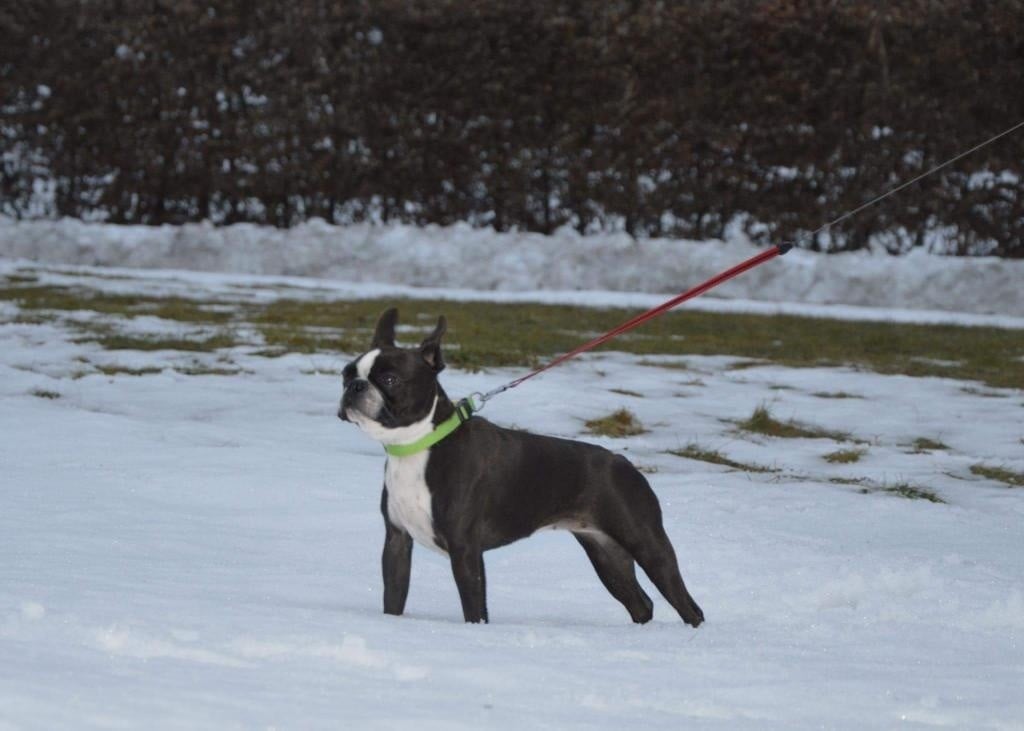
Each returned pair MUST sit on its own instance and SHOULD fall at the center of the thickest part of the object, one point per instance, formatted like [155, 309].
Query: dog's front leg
[468, 568]
[396, 562]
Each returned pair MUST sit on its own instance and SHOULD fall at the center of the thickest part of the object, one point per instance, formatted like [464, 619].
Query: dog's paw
[695, 616]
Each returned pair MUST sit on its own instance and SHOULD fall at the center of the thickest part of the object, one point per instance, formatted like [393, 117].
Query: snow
[181, 283]
[204, 552]
[462, 257]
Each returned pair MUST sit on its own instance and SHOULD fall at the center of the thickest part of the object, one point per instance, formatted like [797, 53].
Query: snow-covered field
[203, 552]
[481, 259]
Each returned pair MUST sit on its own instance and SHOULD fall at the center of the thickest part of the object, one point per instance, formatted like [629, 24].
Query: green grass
[697, 452]
[668, 365]
[849, 480]
[24, 319]
[899, 489]
[982, 392]
[43, 393]
[999, 474]
[489, 334]
[119, 370]
[203, 344]
[845, 456]
[762, 422]
[620, 423]
[745, 364]
[908, 491]
[923, 445]
[51, 297]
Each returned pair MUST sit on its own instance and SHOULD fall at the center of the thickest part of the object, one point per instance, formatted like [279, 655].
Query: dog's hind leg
[617, 572]
[640, 531]
[653, 551]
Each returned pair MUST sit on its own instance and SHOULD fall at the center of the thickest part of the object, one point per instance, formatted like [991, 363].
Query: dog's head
[391, 393]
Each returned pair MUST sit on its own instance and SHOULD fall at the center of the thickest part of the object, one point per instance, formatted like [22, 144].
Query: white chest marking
[409, 498]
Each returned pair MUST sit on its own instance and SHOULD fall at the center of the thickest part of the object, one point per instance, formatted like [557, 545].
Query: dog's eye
[388, 380]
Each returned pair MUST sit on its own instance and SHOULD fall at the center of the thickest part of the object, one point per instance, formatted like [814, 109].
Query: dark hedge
[659, 118]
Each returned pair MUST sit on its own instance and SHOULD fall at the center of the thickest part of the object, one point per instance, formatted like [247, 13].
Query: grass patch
[626, 392]
[132, 342]
[835, 394]
[619, 423]
[848, 480]
[43, 393]
[199, 369]
[120, 370]
[982, 392]
[745, 364]
[490, 334]
[480, 334]
[283, 339]
[900, 489]
[923, 445]
[762, 422]
[22, 278]
[667, 365]
[52, 297]
[697, 452]
[908, 491]
[999, 474]
[269, 352]
[845, 456]
[34, 319]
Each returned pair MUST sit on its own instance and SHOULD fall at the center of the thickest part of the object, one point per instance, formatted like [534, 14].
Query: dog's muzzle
[353, 392]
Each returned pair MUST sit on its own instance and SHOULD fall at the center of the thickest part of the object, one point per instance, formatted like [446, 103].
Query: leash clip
[475, 401]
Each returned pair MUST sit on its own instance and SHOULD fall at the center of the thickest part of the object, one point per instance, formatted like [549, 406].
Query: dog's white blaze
[365, 363]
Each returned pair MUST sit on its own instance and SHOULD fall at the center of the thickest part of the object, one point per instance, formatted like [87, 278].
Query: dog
[483, 486]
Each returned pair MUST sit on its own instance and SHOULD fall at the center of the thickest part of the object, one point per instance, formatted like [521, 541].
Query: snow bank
[481, 259]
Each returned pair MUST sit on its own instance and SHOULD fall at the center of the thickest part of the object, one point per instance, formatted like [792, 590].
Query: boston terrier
[482, 486]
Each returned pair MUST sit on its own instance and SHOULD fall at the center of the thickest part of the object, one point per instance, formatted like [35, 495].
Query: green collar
[463, 410]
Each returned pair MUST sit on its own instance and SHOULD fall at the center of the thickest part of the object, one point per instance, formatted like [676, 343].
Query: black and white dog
[483, 487]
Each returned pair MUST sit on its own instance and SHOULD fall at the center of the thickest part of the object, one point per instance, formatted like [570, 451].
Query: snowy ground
[203, 552]
[461, 256]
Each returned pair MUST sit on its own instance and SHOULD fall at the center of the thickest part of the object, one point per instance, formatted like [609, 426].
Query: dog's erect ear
[384, 335]
[430, 348]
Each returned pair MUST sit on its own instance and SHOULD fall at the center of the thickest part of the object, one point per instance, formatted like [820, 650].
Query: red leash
[643, 317]
[726, 275]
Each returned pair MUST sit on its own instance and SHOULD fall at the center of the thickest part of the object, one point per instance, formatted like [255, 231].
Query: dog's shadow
[453, 618]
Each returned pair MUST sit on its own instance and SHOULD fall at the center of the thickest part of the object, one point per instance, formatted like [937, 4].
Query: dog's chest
[409, 505]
